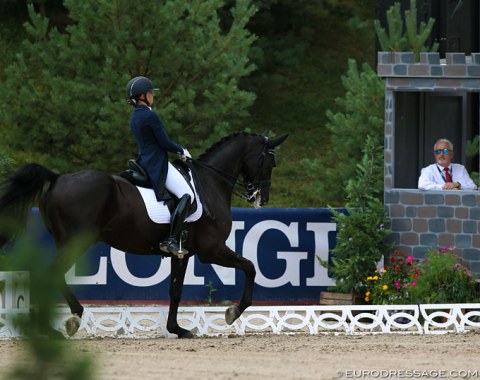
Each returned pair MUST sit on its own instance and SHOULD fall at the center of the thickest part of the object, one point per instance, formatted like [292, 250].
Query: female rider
[153, 147]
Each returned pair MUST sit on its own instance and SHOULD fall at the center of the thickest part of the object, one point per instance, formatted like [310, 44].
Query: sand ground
[270, 356]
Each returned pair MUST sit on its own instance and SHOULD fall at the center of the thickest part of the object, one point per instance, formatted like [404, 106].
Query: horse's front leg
[177, 277]
[228, 258]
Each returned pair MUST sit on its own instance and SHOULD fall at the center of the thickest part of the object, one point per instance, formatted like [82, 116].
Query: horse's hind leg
[73, 323]
[66, 257]
[177, 277]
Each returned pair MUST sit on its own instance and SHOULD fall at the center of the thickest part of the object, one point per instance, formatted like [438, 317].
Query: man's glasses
[440, 151]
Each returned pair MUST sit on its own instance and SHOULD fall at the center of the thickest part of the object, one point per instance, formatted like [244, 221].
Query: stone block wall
[424, 219]
[421, 219]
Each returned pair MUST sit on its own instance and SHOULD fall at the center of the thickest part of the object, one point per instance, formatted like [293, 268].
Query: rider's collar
[143, 106]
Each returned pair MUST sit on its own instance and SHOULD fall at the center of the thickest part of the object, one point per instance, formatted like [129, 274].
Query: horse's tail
[18, 193]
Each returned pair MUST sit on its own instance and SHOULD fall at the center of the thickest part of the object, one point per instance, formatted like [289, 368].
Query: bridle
[252, 187]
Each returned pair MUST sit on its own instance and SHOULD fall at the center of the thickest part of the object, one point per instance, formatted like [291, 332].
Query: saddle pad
[159, 212]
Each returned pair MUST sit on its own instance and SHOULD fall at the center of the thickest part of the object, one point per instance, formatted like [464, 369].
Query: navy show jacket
[153, 147]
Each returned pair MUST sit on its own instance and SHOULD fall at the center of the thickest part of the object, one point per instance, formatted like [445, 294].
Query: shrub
[444, 279]
[394, 283]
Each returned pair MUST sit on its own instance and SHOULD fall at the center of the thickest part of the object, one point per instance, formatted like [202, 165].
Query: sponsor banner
[282, 243]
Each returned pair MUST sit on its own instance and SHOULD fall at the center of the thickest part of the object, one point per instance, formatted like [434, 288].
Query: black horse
[108, 208]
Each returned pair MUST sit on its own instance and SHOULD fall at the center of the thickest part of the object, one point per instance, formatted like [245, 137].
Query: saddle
[137, 176]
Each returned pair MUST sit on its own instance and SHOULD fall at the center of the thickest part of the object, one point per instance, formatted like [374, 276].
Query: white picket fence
[148, 322]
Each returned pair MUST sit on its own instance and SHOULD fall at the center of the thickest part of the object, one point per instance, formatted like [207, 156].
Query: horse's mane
[214, 146]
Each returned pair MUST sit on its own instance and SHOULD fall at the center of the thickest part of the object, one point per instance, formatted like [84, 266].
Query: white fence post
[14, 290]
[14, 300]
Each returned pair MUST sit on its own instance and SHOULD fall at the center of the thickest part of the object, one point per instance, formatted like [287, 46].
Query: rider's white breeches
[176, 184]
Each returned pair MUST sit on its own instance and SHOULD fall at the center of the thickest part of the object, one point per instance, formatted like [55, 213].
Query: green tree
[361, 111]
[285, 30]
[362, 233]
[408, 37]
[472, 150]
[63, 100]
[360, 116]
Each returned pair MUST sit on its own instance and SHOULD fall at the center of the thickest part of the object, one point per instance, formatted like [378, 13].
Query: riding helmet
[138, 86]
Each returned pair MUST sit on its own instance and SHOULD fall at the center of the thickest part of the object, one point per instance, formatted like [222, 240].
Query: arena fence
[149, 322]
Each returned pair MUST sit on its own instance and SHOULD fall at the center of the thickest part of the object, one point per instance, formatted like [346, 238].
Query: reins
[226, 177]
[249, 186]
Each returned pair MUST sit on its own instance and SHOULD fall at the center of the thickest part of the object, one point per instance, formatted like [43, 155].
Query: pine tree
[63, 100]
[360, 115]
[412, 37]
[362, 233]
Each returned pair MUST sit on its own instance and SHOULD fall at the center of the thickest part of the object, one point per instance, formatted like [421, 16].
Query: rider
[154, 145]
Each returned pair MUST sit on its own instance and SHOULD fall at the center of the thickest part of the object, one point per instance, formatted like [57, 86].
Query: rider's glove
[186, 155]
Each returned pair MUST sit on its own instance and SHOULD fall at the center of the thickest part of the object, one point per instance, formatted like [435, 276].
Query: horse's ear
[266, 133]
[276, 141]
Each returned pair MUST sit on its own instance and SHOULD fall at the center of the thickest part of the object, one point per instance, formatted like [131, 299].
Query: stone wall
[420, 219]
[425, 219]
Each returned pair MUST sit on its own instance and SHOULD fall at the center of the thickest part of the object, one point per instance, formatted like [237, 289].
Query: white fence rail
[148, 322]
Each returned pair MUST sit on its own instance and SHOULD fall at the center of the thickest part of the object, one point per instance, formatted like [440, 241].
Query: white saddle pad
[159, 212]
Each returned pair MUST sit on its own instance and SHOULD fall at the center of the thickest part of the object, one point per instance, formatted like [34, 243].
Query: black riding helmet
[138, 86]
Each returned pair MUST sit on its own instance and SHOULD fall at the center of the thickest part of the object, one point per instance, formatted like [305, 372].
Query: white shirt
[432, 177]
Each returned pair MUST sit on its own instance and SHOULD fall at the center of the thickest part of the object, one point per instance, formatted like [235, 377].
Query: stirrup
[171, 246]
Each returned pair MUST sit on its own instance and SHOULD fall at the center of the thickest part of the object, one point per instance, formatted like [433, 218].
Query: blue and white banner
[283, 244]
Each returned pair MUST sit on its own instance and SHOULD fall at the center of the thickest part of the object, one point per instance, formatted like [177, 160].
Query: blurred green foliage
[49, 355]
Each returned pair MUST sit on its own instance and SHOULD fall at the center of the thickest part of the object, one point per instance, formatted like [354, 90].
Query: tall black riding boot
[173, 244]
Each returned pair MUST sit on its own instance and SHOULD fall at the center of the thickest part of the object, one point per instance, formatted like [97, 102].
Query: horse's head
[258, 167]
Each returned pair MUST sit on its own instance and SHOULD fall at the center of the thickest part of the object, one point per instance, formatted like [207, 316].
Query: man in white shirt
[443, 175]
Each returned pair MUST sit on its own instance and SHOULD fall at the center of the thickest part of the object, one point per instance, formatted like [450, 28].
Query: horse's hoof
[72, 325]
[232, 313]
[186, 335]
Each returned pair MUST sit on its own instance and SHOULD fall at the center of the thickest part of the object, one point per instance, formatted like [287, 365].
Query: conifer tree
[362, 233]
[63, 100]
[361, 109]
[411, 37]
[360, 115]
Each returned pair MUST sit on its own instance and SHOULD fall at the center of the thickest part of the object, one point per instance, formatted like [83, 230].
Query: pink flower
[410, 259]
[413, 283]
[397, 284]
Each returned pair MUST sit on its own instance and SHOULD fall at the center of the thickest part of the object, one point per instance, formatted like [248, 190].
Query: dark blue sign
[283, 244]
